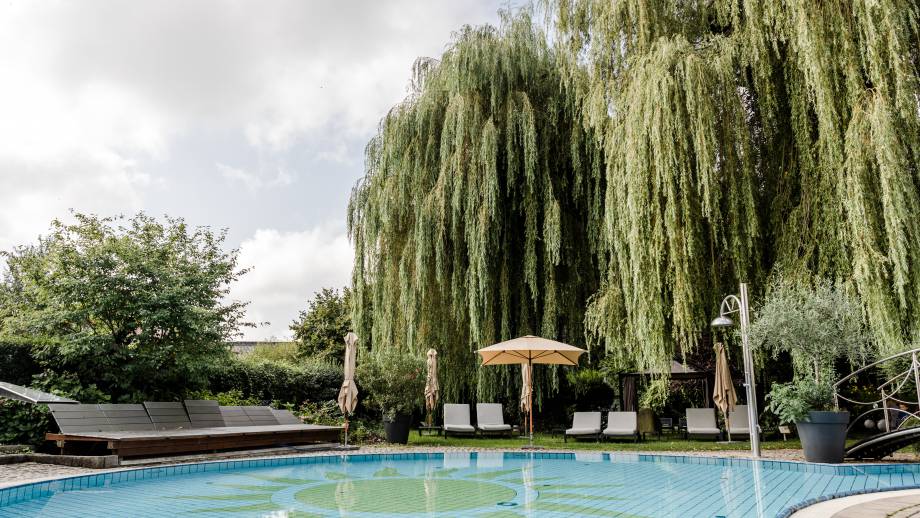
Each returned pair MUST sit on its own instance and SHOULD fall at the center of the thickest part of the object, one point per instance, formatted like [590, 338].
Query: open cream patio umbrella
[723, 395]
[431, 383]
[528, 350]
[348, 394]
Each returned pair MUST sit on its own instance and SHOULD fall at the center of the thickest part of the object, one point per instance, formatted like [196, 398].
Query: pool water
[484, 484]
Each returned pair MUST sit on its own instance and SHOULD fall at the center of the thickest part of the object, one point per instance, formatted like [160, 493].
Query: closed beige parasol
[723, 395]
[528, 350]
[431, 383]
[348, 394]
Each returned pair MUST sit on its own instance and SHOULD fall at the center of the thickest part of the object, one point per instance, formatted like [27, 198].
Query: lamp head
[722, 321]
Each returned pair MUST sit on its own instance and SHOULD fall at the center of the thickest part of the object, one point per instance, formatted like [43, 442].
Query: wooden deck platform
[148, 443]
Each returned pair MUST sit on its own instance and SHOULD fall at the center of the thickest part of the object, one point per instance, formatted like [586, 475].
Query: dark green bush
[17, 364]
[276, 381]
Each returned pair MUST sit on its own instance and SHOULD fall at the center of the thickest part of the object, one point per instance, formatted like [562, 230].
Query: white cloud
[255, 181]
[288, 268]
[196, 108]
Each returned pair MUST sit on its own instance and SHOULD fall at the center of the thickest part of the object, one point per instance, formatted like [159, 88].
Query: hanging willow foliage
[744, 139]
[477, 219]
[617, 185]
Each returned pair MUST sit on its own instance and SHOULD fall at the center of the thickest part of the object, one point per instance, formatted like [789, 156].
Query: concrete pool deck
[885, 504]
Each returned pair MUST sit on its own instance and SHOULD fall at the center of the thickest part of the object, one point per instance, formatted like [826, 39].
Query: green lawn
[548, 442]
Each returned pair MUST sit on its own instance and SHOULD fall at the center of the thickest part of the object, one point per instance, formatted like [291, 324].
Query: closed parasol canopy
[431, 381]
[525, 387]
[723, 395]
[348, 394]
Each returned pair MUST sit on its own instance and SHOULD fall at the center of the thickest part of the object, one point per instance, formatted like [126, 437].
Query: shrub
[323, 413]
[269, 381]
[233, 397]
[394, 382]
[791, 402]
[17, 365]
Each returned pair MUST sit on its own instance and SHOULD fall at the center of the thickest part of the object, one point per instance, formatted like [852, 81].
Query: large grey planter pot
[397, 430]
[824, 436]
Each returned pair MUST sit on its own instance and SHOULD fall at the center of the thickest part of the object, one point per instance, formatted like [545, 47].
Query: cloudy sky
[246, 115]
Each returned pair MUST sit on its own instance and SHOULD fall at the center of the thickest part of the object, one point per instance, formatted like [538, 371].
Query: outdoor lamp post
[739, 304]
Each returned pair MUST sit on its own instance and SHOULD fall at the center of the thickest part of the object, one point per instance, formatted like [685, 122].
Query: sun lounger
[125, 417]
[204, 413]
[457, 419]
[168, 415]
[490, 419]
[701, 422]
[738, 421]
[623, 425]
[584, 424]
[248, 416]
[79, 418]
[286, 417]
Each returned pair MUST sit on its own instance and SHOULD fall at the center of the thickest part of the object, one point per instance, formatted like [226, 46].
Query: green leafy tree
[137, 307]
[320, 329]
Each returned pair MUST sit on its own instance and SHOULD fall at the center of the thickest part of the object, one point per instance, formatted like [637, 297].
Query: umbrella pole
[728, 426]
[346, 430]
[530, 399]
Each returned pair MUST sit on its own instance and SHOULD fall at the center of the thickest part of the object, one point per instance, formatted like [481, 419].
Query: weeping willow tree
[612, 187]
[478, 217]
[742, 139]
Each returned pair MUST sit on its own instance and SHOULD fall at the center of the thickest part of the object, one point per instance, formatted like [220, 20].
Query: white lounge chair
[490, 419]
[622, 424]
[457, 419]
[584, 424]
[738, 421]
[701, 422]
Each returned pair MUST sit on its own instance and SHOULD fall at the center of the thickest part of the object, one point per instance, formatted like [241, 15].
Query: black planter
[397, 430]
[824, 436]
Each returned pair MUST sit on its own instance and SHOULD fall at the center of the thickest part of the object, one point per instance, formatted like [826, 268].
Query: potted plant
[817, 325]
[394, 383]
[810, 405]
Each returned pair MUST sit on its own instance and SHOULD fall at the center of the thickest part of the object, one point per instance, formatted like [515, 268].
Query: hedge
[270, 381]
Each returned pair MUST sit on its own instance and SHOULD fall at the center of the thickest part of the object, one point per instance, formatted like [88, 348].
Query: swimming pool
[484, 484]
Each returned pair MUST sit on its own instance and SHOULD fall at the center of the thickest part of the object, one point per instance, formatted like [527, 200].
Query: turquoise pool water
[485, 484]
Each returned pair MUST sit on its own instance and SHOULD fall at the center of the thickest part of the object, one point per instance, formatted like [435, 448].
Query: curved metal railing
[889, 390]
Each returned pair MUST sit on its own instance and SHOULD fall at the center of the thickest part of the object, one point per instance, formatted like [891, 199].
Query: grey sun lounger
[204, 413]
[622, 425]
[168, 415]
[286, 417]
[457, 419]
[738, 421]
[248, 416]
[490, 419]
[157, 428]
[584, 424]
[701, 422]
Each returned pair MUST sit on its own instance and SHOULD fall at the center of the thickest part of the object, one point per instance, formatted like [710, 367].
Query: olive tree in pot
[394, 382]
[817, 324]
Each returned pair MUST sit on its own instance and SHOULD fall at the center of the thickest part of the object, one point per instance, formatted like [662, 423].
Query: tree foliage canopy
[614, 185]
[321, 328]
[138, 308]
